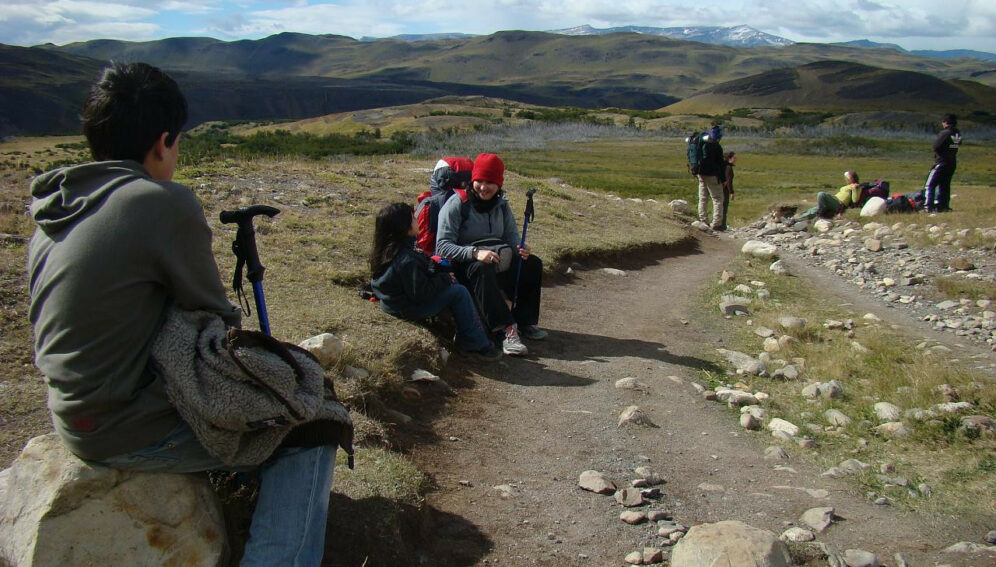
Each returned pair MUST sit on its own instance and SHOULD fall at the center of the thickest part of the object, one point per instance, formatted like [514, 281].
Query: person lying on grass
[827, 205]
[477, 233]
[411, 286]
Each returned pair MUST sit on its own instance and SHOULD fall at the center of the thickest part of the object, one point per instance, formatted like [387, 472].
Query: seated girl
[411, 287]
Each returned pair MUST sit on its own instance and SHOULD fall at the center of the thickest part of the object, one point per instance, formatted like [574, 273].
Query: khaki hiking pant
[711, 188]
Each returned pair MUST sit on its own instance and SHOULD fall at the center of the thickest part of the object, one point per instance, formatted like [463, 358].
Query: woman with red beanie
[477, 233]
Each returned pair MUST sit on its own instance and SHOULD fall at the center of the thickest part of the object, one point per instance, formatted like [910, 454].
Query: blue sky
[913, 24]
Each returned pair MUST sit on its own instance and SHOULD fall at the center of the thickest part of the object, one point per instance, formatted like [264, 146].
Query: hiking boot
[533, 333]
[512, 345]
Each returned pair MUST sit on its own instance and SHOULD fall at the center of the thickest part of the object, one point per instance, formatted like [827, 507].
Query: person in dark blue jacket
[411, 286]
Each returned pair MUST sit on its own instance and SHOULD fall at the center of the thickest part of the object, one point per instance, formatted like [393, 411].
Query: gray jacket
[243, 392]
[461, 225]
[113, 248]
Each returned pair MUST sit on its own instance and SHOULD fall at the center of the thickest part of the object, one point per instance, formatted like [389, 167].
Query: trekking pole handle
[245, 239]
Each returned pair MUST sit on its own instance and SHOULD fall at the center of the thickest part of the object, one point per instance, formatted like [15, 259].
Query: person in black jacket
[712, 173]
[937, 189]
[730, 160]
[411, 286]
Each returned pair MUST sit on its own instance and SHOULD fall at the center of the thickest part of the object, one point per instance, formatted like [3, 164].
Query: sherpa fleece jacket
[112, 249]
[239, 393]
[408, 282]
[461, 225]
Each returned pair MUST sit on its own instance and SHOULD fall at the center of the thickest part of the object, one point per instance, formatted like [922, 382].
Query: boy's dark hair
[950, 119]
[129, 108]
[390, 235]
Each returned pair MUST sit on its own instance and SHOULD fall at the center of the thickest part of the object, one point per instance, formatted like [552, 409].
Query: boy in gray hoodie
[116, 243]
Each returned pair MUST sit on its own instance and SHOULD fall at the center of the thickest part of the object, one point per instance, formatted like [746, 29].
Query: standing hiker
[410, 286]
[117, 243]
[937, 189]
[711, 174]
[477, 232]
[729, 160]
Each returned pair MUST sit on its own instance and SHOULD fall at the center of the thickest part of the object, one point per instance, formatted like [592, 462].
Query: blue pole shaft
[257, 293]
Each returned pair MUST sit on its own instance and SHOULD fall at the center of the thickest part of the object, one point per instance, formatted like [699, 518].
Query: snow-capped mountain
[737, 36]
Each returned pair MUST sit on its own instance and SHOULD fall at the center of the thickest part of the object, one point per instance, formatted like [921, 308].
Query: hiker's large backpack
[450, 173]
[877, 188]
[696, 151]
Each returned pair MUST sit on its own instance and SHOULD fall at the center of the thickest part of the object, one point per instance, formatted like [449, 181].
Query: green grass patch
[891, 370]
[956, 287]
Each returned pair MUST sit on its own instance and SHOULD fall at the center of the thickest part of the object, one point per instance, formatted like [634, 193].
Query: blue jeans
[470, 334]
[288, 524]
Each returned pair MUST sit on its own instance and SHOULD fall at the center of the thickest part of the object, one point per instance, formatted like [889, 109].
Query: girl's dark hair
[390, 235]
[129, 108]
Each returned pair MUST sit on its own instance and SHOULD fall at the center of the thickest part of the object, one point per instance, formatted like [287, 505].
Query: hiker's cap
[490, 168]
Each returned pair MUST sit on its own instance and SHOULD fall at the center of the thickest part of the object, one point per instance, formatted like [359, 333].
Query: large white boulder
[759, 249]
[874, 206]
[56, 510]
[730, 544]
[326, 347]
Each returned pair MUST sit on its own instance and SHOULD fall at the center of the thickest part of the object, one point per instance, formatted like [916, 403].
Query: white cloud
[26, 22]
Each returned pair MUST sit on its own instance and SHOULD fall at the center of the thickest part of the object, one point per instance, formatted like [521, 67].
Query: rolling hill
[842, 87]
[297, 75]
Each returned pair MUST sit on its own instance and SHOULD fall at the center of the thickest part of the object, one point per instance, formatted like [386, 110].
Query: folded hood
[450, 173]
[62, 196]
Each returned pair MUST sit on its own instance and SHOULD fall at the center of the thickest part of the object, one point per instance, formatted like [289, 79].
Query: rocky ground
[877, 259]
[603, 448]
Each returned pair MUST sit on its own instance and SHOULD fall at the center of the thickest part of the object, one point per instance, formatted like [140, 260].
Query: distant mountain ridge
[945, 54]
[292, 75]
[735, 36]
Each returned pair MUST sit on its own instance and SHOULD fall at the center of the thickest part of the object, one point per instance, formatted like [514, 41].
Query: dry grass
[315, 254]
[956, 464]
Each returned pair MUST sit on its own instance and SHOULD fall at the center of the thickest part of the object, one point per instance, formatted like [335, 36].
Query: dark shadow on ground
[565, 345]
[630, 259]
[406, 535]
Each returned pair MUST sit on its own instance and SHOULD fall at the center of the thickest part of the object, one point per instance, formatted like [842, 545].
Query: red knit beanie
[489, 167]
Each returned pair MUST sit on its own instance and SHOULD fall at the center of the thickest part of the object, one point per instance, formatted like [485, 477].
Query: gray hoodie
[461, 225]
[112, 250]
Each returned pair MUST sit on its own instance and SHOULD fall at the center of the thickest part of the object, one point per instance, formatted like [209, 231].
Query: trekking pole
[529, 215]
[244, 247]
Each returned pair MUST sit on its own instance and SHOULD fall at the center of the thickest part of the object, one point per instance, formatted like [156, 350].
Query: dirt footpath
[510, 447]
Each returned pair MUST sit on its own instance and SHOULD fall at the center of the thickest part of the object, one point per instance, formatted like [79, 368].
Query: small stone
[749, 422]
[629, 497]
[873, 244]
[885, 411]
[614, 272]
[792, 323]
[630, 383]
[797, 534]
[727, 277]
[633, 517]
[763, 332]
[775, 453]
[420, 375]
[658, 515]
[779, 268]
[892, 429]
[818, 518]
[652, 555]
[961, 264]
[860, 558]
[836, 418]
[636, 557]
[633, 415]
[597, 482]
